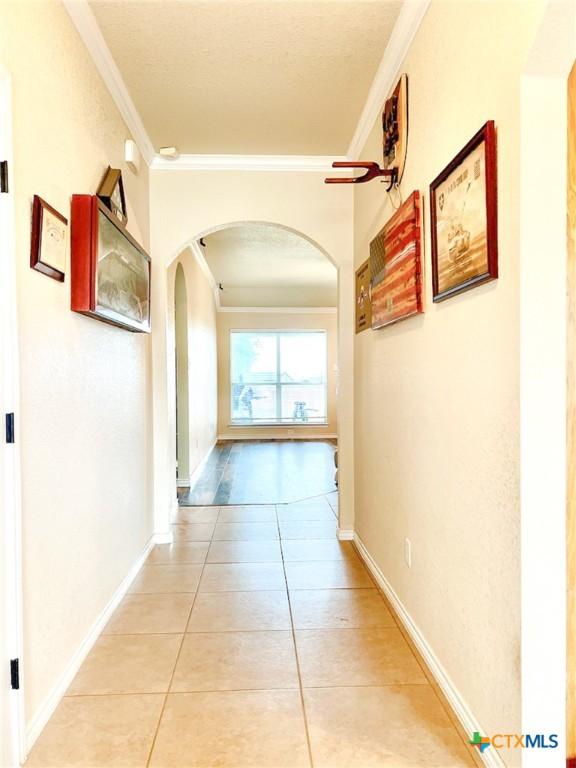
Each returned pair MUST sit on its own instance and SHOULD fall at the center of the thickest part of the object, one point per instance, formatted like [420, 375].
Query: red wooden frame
[84, 258]
[486, 134]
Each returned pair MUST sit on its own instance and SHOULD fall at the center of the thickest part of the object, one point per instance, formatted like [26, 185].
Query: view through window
[278, 377]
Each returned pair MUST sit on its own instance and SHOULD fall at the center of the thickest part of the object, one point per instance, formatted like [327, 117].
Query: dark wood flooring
[263, 472]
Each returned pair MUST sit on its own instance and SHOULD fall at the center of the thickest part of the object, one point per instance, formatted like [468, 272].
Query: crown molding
[282, 310]
[318, 163]
[407, 24]
[88, 29]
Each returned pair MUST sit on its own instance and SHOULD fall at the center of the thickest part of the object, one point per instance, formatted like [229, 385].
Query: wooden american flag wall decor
[396, 266]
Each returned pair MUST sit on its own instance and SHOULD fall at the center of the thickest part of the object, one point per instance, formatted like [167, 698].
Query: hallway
[263, 472]
[257, 639]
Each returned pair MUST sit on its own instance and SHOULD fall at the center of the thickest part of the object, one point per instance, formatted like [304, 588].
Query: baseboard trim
[345, 534]
[260, 438]
[46, 710]
[182, 482]
[489, 757]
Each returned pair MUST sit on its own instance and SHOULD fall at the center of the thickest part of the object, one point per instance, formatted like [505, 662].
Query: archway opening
[182, 376]
[275, 333]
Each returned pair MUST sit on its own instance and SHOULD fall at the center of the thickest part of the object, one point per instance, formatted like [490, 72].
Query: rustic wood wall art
[396, 266]
[49, 240]
[110, 270]
[464, 218]
[111, 192]
[363, 303]
[395, 143]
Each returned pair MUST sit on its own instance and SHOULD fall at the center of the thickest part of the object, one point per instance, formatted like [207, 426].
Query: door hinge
[10, 438]
[3, 175]
[15, 674]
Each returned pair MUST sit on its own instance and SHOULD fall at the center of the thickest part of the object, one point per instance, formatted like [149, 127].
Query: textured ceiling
[241, 77]
[261, 265]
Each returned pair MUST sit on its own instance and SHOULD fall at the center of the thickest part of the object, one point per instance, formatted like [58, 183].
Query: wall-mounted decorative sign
[110, 270]
[49, 240]
[396, 266]
[395, 128]
[395, 143]
[363, 305]
[464, 218]
[111, 192]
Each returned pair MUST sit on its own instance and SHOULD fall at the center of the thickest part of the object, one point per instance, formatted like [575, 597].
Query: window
[278, 377]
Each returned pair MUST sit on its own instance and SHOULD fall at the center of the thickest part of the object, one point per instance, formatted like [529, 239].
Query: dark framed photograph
[111, 192]
[110, 270]
[49, 242]
[464, 218]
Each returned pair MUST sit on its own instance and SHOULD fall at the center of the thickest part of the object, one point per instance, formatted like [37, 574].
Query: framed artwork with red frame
[464, 218]
[110, 269]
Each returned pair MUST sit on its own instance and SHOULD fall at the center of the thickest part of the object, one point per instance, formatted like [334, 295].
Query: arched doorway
[181, 373]
[270, 282]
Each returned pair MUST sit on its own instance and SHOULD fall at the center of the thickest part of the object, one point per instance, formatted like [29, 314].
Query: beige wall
[279, 320]
[201, 337]
[437, 396]
[85, 421]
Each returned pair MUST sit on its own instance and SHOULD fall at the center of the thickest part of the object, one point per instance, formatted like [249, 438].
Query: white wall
[85, 419]
[188, 204]
[201, 417]
[276, 320]
[437, 396]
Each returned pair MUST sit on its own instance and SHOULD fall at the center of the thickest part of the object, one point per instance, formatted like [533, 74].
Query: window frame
[278, 421]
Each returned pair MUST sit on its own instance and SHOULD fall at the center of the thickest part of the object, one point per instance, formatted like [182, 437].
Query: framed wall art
[111, 192]
[49, 241]
[464, 218]
[110, 270]
[396, 266]
[363, 305]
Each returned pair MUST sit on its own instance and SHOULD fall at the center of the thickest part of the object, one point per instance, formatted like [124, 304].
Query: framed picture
[110, 270]
[111, 192]
[49, 240]
[464, 218]
[396, 266]
[363, 305]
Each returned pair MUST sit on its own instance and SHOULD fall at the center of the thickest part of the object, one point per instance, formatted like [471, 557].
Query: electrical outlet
[408, 552]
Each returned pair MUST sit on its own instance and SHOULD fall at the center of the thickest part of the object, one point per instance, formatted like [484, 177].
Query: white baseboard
[490, 757]
[346, 534]
[46, 710]
[245, 438]
[198, 469]
[182, 482]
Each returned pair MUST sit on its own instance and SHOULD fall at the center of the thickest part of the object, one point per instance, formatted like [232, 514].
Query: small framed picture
[464, 218]
[49, 240]
[111, 192]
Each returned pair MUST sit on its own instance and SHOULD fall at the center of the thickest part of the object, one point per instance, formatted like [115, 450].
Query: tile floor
[256, 639]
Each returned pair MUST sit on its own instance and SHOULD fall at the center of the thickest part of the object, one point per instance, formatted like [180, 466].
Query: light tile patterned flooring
[256, 639]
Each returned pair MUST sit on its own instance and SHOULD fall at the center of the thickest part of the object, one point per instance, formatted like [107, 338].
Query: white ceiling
[262, 265]
[284, 77]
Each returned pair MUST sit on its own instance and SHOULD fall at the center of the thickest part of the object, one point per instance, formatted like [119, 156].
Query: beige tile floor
[256, 640]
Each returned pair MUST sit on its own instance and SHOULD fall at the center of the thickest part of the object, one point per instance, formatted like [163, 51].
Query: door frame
[12, 729]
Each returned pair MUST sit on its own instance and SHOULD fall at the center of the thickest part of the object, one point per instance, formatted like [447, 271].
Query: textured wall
[85, 386]
[437, 396]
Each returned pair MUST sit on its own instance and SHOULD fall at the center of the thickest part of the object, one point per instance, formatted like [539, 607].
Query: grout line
[153, 744]
[300, 687]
